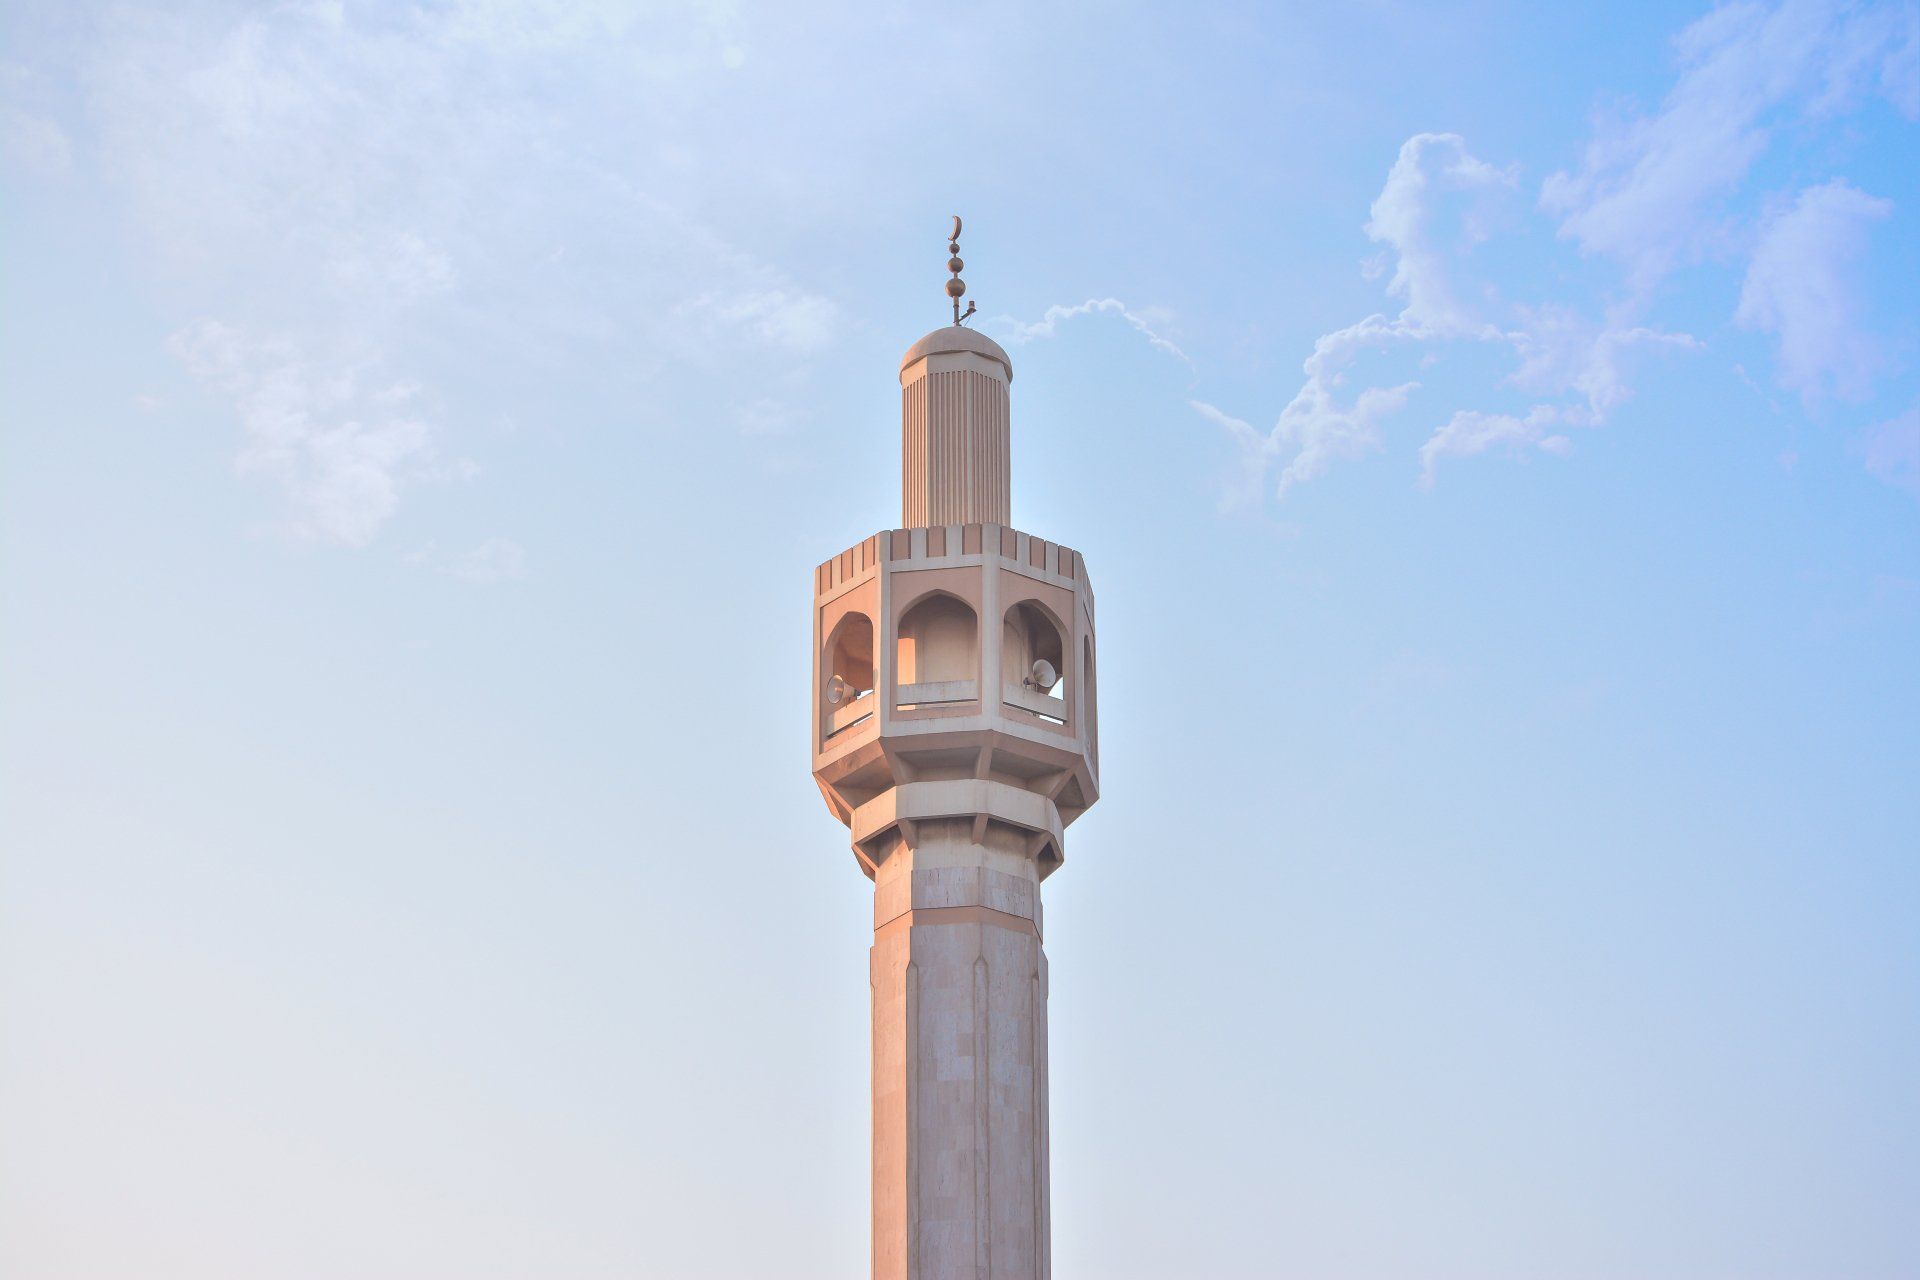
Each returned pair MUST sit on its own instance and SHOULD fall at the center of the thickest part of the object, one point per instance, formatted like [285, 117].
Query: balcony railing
[1044, 705]
[849, 714]
[936, 693]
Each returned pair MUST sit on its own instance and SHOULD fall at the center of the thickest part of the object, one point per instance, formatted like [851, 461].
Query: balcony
[936, 693]
[848, 714]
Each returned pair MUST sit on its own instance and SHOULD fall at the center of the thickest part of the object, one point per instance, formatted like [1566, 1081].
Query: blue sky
[1494, 433]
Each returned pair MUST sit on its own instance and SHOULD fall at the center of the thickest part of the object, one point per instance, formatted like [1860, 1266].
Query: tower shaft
[959, 1061]
[955, 448]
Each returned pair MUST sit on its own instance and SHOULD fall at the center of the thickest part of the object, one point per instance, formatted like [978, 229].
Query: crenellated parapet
[955, 681]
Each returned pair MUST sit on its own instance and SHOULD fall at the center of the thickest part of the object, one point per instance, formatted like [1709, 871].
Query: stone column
[952, 725]
[955, 447]
[959, 1059]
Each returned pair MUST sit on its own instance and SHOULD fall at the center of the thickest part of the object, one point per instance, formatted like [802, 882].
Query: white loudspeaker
[1042, 676]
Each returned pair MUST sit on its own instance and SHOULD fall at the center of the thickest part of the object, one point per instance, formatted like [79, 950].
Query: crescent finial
[956, 286]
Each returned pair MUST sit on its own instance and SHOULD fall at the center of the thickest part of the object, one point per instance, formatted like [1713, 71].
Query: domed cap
[956, 338]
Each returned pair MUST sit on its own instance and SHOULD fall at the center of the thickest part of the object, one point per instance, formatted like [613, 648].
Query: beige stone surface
[955, 447]
[954, 733]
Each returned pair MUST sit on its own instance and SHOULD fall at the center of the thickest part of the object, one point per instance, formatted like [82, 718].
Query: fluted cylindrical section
[956, 448]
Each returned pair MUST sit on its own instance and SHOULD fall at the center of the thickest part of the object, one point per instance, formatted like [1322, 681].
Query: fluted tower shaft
[955, 452]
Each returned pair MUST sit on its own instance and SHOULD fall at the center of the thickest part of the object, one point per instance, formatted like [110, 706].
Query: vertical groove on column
[956, 446]
[954, 457]
[873, 1073]
[982, 1100]
[1003, 451]
[912, 1072]
[1043, 1193]
[989, 444]
[1003, 454]
[963, 475]
[1036, 1020]
[914, 456]
[970, 478]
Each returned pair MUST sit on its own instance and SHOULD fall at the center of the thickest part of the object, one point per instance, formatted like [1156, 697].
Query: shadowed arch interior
[939, 641]
[1028, 635]
[850, 652]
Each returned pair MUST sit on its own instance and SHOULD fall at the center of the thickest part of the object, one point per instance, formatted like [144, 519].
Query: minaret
[954, 733]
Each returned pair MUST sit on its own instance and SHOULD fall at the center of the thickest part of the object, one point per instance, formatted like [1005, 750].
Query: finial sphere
[955, 265]
[956, 287]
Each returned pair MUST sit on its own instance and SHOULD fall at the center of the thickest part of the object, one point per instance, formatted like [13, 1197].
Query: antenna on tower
[957, 287]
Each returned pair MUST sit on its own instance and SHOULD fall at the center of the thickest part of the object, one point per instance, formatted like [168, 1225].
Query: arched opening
[937, 653]
[1033, 662]
[846, 682]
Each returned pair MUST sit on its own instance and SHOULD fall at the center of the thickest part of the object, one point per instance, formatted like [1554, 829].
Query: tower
[954, 734]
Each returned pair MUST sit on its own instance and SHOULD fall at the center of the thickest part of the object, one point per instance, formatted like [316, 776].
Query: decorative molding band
[956, 915]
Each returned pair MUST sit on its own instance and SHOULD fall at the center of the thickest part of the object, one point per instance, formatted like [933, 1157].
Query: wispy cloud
[1563, 352]
[775, 312]
[768, 416]
[340, 192]
[1893, 451]
[341, 449]
[1647, 190]
[1469, 432]
[1430, 167]
[494, 561]
[1436, 181]
[1143, 322]
[1651, 192]
[1800, 288]
[1252, 476]
[30, 135]
[1319, 425]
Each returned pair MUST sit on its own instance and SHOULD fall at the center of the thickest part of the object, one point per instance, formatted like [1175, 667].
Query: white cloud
[1576, 361]
[494, 561]
[1142, 321]
[776, 314]
[1645, 191]
[1320, 424]
[1402, 218]
[1652, 191]
[1562, 351]
[1900, 73]
[1799, 287]
[1893, 451]
[767, 416]
[341, 452]
[352, 190]
[31, 137]
[1317, 427]
[1471, 432]
[1253, 452]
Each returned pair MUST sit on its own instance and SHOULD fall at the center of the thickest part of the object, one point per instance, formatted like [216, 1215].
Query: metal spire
[956, 287]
